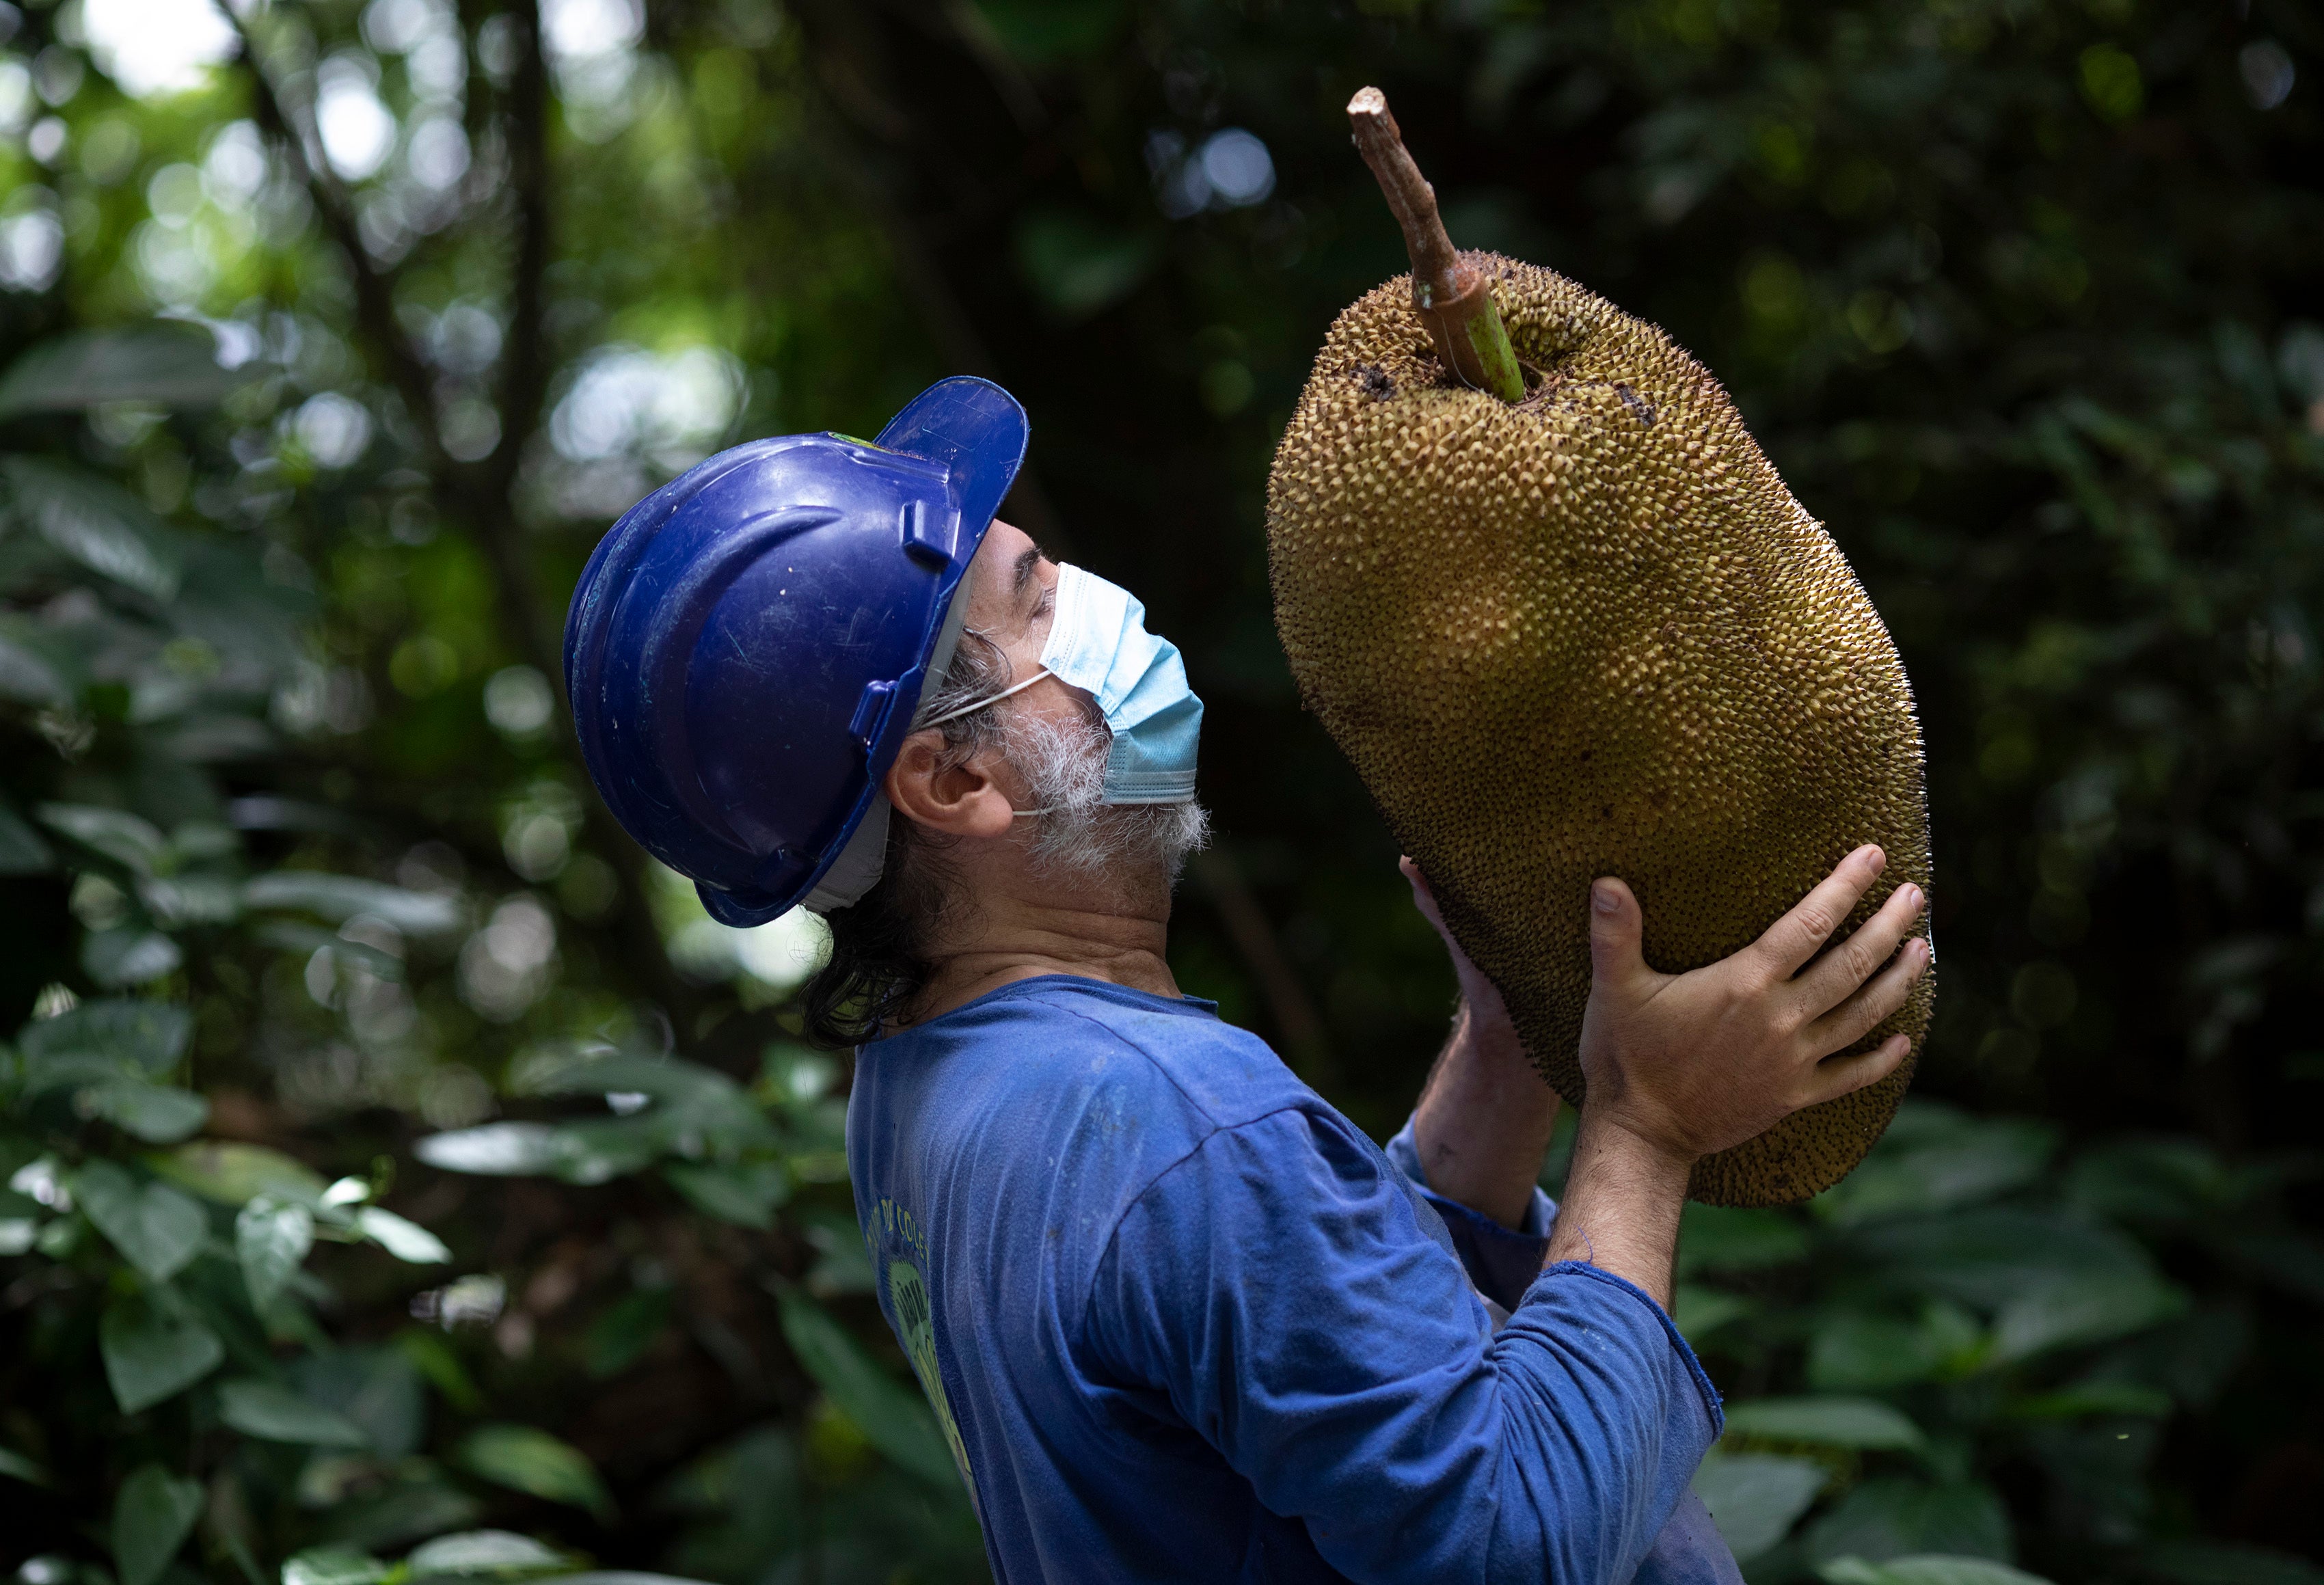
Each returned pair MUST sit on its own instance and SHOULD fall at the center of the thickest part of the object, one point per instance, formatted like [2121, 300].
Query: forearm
[1620, 1209]
[1484, 1120]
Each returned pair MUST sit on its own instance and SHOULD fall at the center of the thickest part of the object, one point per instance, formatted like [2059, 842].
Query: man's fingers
[1617, 930]
[1799, 934]
[1844, 1076]
[1834, 977]
[1423, 898]
[1886, 991]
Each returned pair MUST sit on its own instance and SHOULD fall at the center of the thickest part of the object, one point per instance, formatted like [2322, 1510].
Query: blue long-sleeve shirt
[1182, 1321]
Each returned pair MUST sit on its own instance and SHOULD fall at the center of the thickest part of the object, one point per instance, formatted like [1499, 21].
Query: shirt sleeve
[1501, 1261]
[1690, 1551]
[1277, 1287]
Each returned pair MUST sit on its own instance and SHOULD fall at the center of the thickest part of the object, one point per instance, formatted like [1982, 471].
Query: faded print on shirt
[913, 1316]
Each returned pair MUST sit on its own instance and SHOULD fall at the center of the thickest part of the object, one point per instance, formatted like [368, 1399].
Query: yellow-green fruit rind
[1594, 634]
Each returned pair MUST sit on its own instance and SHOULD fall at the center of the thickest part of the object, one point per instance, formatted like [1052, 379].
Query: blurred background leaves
[405, 1179]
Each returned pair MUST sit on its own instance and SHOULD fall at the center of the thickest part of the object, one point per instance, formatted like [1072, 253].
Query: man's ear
[957, 799]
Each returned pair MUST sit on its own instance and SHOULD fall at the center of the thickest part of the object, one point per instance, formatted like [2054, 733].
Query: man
[1178, 1318]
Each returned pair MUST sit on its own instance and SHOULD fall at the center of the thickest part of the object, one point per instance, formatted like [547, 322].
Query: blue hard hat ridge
[747, 645]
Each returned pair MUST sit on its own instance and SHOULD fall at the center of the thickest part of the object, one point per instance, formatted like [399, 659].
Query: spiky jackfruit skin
[1594, 634]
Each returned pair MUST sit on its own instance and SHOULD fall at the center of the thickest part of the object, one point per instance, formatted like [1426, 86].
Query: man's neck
[1112, 928]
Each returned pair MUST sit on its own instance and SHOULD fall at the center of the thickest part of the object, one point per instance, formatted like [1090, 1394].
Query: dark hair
[878, 962]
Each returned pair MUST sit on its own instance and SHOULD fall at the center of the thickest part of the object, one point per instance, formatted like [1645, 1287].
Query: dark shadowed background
[393, 1154]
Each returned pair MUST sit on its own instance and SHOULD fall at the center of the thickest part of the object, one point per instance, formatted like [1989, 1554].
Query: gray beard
[1063, 764]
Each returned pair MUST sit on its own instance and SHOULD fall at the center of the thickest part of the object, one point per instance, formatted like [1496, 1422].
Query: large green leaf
[190, 897]
[129, 840]
[150, 1356]
[526, 1459]
[2051, 1279]
[276, 1413]
[592, 1152]
[2128, 1399]
[30, 671]
[594, 1068]
[745, 1194]
[625, 1330]
[232, 1173]
[2161, 1183]
[1754, 1499]
[335, 1565]
[22, 850]
[1715, 1237]
[340, 898]
[270, 1239]
[1894, 1517]
[893, 1417]
[1852, 1350]
[305, 939]
[129, 954]
[1825, 1422]
[2082, 1307]
[403, 1238]
[483, 1553]
[95, 522]
[1936, 1158]
[131, 1036]
[159, 1114]
[1700, 1311]
[379, 1389]
[695, 1104]
[514, 1149]
[1927, 1569]
[152, 1516]
[157, 1229]
[163, 362]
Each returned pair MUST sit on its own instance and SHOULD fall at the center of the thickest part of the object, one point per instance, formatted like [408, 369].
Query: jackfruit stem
[1449, 294]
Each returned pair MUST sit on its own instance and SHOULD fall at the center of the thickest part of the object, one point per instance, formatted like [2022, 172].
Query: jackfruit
[1591, 633]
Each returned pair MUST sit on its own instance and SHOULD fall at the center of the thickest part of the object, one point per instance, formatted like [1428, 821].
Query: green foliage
[366, 1090]
[151, 1519]
[891, 1416]
[1924, 1569]
[1975, 1313]
[525, 1459]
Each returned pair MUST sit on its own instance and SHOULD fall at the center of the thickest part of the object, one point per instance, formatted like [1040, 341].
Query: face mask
[1098, 643]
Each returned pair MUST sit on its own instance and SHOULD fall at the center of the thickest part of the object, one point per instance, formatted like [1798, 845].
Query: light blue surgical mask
[1098, 643]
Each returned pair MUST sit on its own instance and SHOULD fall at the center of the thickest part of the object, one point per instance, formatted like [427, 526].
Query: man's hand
[1484, 1120]
[1695, 1063]
[1682, 1066]
[1480, 995]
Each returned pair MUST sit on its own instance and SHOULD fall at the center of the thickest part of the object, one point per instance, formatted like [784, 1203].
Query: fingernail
[1913, 898]
[1603, 898]
[1879, 860]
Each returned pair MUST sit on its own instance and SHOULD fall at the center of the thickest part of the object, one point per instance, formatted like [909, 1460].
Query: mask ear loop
[972, 707]
[986, 703]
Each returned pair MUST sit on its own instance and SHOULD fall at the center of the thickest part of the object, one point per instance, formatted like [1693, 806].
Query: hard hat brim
[975, 429]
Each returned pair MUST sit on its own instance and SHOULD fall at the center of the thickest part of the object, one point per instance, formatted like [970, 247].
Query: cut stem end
[1451, 297]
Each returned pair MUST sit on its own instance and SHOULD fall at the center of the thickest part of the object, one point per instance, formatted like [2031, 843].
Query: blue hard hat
[748, 644]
